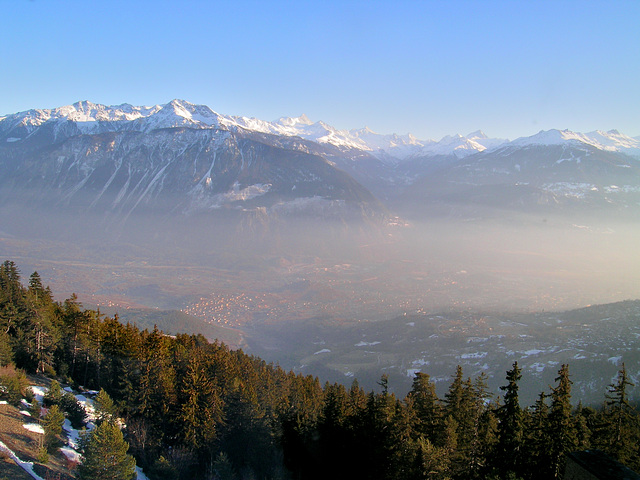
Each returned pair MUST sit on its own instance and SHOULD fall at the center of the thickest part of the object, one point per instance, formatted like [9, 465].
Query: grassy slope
[25, 444]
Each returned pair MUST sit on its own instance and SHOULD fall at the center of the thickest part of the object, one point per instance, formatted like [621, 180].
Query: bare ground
[25, 444]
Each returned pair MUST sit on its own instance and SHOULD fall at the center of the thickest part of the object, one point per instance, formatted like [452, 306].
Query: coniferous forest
[193, 409]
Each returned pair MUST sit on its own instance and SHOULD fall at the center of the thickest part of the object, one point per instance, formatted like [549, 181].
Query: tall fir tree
[623, 423]
[508, 455]
[104, 455]
[201, 408]
[561, 429]
[423, 401]
[537, 442]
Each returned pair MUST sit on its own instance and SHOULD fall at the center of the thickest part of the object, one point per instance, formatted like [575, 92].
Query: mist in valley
[511, 262]
[291, 286]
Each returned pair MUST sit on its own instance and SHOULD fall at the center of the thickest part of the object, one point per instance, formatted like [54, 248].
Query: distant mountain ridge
[179, 157]
[90, 118]
[187, 158]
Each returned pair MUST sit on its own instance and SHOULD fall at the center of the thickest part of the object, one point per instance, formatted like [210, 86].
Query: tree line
[195, 409]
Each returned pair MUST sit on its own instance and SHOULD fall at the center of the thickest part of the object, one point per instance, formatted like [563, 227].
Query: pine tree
[105, 457]
[40, 294]
[73, 409]
[6, 350]
[537, 439]
[429, 462]
[222, 467]
[623, 425]
[201, 407]
[52, 424]
[460, 404]
[333, 428]
[53, 395]
[511, 426]
[35, 409]
[562, 431]
[485, 426]
[425, 405]
[105, 409]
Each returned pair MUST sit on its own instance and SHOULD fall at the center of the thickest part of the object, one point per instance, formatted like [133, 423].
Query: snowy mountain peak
[200, 115]
[478, 134]
[85, 117]
[293, 121]
[549, 137]
[612, 140]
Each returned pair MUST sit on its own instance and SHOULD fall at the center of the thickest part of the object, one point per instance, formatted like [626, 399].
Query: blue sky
[432, 68]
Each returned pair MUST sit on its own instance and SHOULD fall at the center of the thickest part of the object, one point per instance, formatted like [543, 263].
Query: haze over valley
[288, 233]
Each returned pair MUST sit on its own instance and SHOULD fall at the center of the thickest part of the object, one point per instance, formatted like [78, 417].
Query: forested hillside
[198, 410]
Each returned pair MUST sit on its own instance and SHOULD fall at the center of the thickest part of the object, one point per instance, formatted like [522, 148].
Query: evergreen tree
[37, 291]
[583, 433]
[119, 345]
[222, 467]
[6, 350]
[35, 409]
[105, 409]
[201, 407]
[462, 406]
[429, 462]
[52, 424]
[335, 436]
[105, 457]
[510, 427]
[623, 425]
[537, 445]
[73, 409]
[75, 324]
[10, 286]
[53, 395]
[423, 401]
[485, 427]
[562, 431]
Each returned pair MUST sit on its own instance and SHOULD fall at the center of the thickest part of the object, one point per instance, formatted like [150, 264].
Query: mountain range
[189, 160]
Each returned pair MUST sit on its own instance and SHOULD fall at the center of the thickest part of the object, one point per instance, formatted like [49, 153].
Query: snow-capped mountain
[611, 141]
[178, 157]
[554, 169]
[89, 118]
[188, 158]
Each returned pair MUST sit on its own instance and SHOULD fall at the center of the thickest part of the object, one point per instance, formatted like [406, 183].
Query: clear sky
[432, 68]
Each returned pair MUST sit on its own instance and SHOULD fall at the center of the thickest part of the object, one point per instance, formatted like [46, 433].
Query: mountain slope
[179, 158]
[550, 171]
[188, 159]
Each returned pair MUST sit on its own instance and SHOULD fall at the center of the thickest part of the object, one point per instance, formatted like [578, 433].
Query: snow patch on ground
[365, 344]
[324, 350]
[615, 360]
[538, 367]
[73, 435]
[26, 466]
[420, 361]
[39, 392]
[34, 427]
[71, 454]
[533, 351]
[474, 355]
[140, 475]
